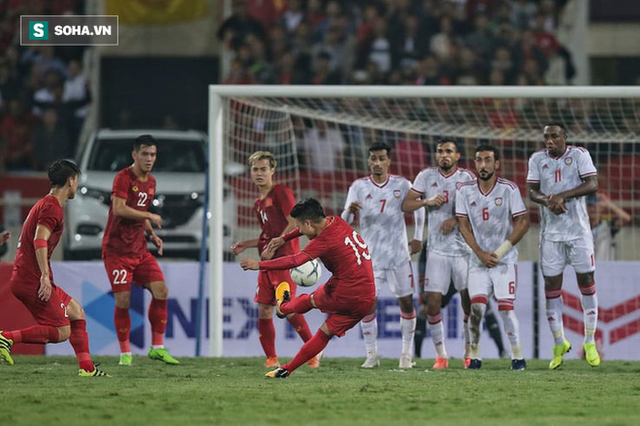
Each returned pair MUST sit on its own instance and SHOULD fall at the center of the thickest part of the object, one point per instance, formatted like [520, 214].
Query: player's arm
[4, 237]
[588, 186]
[153, 237]
[622, 218]
[240, 246]
[282, 263]
[489, 259]
[40, 244]
[121, 209]
[351, 206]
[535, 195]
[415, 245]
[520, 227]
[413, 201]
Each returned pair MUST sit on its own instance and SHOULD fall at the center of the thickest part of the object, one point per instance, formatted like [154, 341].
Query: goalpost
[320, 136]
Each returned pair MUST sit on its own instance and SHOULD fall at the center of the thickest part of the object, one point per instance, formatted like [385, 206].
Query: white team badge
[498, 201]
[396, 193]
[568, 161]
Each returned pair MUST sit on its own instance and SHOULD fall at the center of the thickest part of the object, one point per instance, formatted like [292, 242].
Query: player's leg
[369, 327]
[437, 283]
[307, 352]
[479, 289]
[120, 273]
[504, 278]
[553, 261]
[460, 279]
[493, 327]
[581, 257]
[421, 318]
[265, 298]
[297, 321]
[402, 286]
[79, 340]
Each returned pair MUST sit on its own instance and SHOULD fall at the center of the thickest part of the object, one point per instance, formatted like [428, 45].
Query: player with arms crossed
[559, 178]
[125, 254]
[448, 258]
[59, 316]
[492, 219]
[273, 208]
[347, 297]
[377, 200]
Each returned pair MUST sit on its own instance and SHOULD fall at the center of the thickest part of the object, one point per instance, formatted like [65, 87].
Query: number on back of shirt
[359, 247]
[119, 276]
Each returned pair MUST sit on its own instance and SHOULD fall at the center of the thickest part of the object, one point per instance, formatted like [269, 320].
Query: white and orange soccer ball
[306, 274]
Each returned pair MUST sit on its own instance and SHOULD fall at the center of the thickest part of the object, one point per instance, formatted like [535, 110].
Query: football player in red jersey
[59, 316]
[125, 254]
[347, 297]
[272, 208]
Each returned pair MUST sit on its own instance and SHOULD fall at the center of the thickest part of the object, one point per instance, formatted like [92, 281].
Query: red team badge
[268, 202]
[134, 189]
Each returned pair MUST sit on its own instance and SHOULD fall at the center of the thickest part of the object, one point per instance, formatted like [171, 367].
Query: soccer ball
[306, 274]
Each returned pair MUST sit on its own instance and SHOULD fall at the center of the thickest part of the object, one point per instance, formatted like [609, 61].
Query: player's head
[379, 159]
[447, 154]
[555, 138]
[144, 153]
[62, 173]
[487, 159]
[263, 166]
[308, 215]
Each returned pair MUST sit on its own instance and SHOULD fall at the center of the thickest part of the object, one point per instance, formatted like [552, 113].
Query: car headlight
[100, 195]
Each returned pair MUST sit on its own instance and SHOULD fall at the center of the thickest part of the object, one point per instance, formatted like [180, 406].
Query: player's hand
[238, 247]
[488, 259]
[415, 246]
[157, 241]
[448, 226]
[44, 291]
[4, 237]
[267, 254]
[155, 219]
[556, 204]
[251, 264]
[436, 201]
[354, 207]
[275, 244]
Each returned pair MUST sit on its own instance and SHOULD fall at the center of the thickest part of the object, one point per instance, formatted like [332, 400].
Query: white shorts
[399, 280]
[501, 281]
[555, 256]
[441, 270]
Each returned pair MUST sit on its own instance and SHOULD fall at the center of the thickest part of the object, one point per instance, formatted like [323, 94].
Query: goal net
[320, 136]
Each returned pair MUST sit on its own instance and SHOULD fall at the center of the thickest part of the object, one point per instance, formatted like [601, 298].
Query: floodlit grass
[46, 391]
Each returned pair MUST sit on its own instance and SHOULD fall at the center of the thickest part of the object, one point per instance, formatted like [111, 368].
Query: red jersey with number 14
[272, 212]
[125, 237]
[346, 255]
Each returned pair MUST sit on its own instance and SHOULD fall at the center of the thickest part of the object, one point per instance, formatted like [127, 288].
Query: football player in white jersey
[559, 178]
[377, 200]
[448, 258]
[492, 219]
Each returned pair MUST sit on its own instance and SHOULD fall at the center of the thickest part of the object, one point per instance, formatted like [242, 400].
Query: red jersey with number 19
[125, 237]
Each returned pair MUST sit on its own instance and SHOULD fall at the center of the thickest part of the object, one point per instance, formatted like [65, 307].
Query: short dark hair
[309, 209]
[146, 140]
[448, 140]
[60, 171]
[486, 147]
[379, 146]
[557, 123]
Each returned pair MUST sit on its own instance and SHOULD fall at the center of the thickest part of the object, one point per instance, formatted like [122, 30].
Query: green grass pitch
[44, 391]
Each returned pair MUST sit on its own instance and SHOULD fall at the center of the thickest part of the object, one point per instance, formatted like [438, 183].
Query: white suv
[180, 174]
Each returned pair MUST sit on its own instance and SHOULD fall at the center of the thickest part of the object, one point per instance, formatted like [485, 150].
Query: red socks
[267, 335]
[123, 326]
[300, 326]
[42, 334]
[158, 320]
[299, 305]
[310, 349]
[79, 339]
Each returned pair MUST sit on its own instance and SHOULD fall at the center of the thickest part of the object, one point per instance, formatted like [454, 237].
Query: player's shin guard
[310, 349]
[512, 328]
[554, 314]
[267, 336]
[478, 307]
[158, 320]
[369, 326]
[299, 324]
[435, 327]
[41, 334]
[79, 340]
[590, 311]
[123, 328]
[408, 329]
[421, 331]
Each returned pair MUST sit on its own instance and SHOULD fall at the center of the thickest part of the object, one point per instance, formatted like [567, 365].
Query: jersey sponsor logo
[545, 166]
[368, 197]
[473, 204]
[268, 202]
[434, 185]
[498, 201]
[397, 193]
[134, 189]
[568, 161]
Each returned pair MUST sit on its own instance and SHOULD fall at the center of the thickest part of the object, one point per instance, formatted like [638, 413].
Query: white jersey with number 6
[490, 214]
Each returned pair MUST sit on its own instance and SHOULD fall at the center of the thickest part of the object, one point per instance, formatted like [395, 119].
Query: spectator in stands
[606, 219]
[234, 29]
[15, 137]
[293, 16]
[323, 73]
[324, 147]
[50, 141]
[77, 96]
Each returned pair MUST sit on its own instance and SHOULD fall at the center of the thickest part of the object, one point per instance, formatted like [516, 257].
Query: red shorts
[343, 314]
[268, 281]
[53, 312]
[122, 271]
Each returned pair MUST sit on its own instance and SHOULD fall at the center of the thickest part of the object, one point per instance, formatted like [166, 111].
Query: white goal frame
[216, 146]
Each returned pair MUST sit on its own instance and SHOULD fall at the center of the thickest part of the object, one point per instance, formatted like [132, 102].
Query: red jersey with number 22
[125, 237]
[346, 255]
